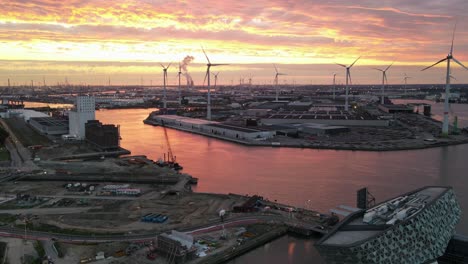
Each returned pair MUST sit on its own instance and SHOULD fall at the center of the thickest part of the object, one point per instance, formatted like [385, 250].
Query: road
[125, 198]
[214, 225]
[16, 160]
[49, 249]
[23, 160]
[47, 211]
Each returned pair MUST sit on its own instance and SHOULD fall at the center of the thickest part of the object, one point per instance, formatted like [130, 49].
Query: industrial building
[27, 114]
[391, 109]
[103, 136]
[237, 132]
[181, 121]
[84, 110]
[251, 205]
[211, 127]
[177, 246]
[50, 125]
[325, 116]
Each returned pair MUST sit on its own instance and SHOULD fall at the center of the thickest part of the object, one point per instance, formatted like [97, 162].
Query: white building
[83, 111]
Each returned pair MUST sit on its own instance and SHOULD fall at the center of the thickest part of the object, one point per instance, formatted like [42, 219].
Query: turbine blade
[169, 65]
[219, 64]
[276, 69]
[442, 60]
[204, 80]
[385, 77]
[378, 69]
[389, 66]
[349, 77]
[451, 76]
[453, 38]
[162, 65]
[354, 62]
[342, 65]
[282, 74]
[206, 55]
[459, 63]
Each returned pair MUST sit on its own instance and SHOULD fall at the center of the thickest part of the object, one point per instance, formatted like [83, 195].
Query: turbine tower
[384, 79]
[348, 80]
[334, 85]
[406, 81]
[445, 125]
[276, 82]
[207, 75]
[180, 93]
[165, 80]
[216, 80]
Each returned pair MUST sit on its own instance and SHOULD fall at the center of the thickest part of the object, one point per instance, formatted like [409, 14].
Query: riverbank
[283, 141]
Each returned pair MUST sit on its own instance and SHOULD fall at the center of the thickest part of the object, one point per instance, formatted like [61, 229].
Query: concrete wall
[77, 121]
[339, 122]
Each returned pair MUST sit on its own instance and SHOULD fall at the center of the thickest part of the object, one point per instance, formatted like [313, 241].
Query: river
[325, 177]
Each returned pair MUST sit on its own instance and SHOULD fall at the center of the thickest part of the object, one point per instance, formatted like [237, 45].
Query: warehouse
[181, 121]
[391, 109]
[237, 132]
[49, 125]
[328, 117]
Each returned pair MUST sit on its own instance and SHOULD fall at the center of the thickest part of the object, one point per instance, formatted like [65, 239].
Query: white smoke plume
[183, 66]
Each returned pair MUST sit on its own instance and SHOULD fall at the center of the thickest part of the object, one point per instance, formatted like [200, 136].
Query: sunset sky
[89, 41]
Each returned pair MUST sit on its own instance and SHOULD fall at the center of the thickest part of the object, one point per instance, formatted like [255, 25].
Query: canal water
[316, 179]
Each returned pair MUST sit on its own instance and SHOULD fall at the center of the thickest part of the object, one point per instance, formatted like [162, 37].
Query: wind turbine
[180, 95]
[449, 57]
[216, 80]
[334, 85]
[348, 80]
[406, 81]
[384, 79]
[165, 80]
[276, 82]
[208, 66]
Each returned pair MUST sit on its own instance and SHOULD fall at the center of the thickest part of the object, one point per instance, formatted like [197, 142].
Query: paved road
[24, 153]
[126, 198]
[215, 225]
[49, 250]
[16, 160]
[47, 211]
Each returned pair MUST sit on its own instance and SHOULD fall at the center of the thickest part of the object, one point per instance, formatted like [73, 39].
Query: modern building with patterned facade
[413, 228]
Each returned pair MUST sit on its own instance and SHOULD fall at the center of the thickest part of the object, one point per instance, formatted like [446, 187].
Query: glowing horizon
[120, 37]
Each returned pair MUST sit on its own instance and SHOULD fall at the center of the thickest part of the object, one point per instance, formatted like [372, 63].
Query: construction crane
[171, 159]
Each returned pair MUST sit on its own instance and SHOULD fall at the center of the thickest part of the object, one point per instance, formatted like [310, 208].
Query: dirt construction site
[101, 212]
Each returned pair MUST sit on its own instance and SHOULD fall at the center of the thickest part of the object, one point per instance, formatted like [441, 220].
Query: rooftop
[365, 224]
[189, 120]
[50, 121]
[235, 128]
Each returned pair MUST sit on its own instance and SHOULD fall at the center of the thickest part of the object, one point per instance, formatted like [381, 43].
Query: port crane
[171, 159]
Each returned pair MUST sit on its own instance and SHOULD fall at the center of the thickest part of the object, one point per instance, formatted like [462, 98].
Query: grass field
[25, 133]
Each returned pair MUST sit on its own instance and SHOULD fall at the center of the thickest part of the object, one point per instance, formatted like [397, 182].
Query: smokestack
[183, 66]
